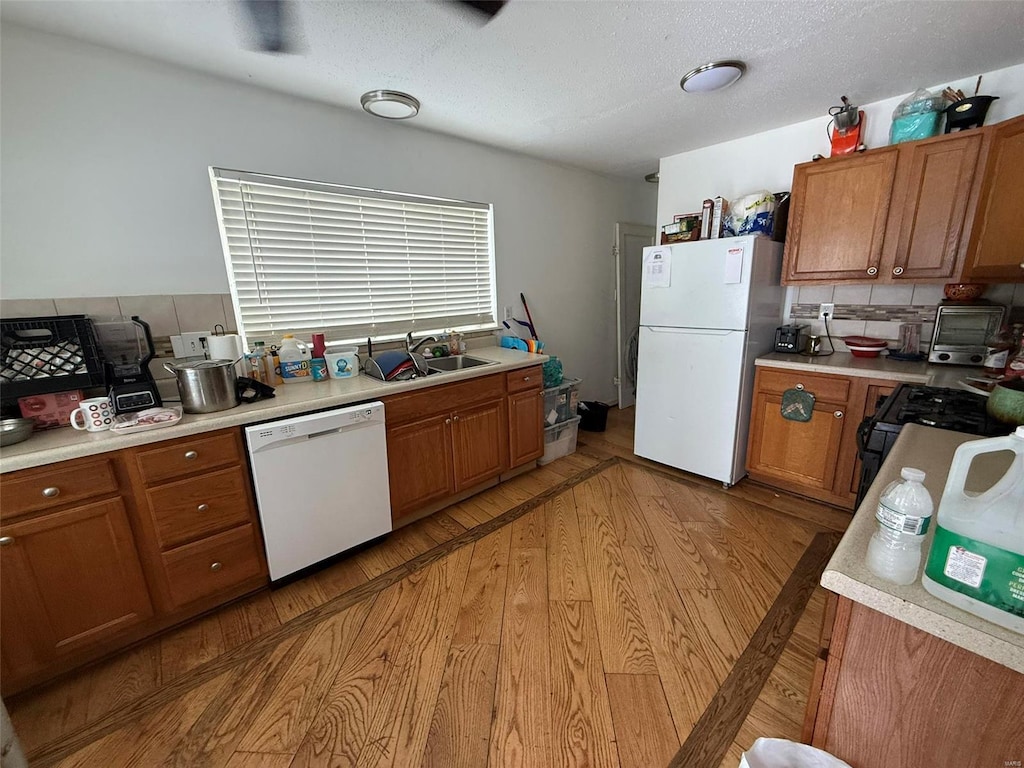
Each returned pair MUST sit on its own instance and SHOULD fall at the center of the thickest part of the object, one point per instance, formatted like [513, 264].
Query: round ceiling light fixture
[712, 76]
[391, 105]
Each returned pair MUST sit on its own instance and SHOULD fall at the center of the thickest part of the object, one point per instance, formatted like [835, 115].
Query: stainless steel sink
[455, 363]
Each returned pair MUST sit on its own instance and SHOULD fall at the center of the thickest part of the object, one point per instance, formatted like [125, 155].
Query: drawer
[829, 389]
[524, 378]
[212, 565]
[56, 485]
[190, 509]
[443, 398]
[188, 457]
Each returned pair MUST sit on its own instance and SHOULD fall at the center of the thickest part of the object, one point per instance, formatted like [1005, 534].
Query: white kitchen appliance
[321, 484]
[708, 309]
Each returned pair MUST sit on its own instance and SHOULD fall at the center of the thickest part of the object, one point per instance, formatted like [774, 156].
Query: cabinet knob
[203, 507]
[5, 540]
[52, 492]
[837, 414]
[456, 418]
[448, 421]
[527, 378]
[872, 270]
[191, 455]
[897, 271]
[215, 566]
[799, 386]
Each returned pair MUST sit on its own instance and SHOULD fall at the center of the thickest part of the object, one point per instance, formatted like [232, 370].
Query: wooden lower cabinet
[419, 464]
[479, 447]
[892, 696]
[816, 458]
[525, 427]
[69, 579]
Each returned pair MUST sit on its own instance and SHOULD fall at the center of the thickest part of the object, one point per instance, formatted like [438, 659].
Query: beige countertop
[289, 400]
[845, 364]
[847, 574]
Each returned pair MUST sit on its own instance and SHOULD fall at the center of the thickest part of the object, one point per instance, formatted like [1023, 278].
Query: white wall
[106, 193]
[765, 160]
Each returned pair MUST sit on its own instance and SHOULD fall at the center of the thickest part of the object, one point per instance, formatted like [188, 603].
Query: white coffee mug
[96, 415]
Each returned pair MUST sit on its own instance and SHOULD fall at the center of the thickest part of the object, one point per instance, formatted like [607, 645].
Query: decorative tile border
[922, 313]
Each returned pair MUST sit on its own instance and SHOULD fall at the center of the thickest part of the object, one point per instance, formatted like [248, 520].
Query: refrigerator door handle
[689, 331]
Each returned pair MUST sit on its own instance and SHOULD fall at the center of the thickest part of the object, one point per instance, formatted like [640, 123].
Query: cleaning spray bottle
[977, 557]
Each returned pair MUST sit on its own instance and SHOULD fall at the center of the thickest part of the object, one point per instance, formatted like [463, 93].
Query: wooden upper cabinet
[932, 189]
[837, 217]
[996, 251]
[70, 579]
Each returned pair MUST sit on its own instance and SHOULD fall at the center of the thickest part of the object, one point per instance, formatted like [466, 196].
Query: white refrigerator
[708, 309]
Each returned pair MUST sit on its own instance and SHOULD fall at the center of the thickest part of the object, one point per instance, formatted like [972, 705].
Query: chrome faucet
[410, 347]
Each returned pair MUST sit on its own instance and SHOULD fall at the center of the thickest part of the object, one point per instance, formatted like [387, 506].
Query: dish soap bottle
[977, 557]
[904, 511]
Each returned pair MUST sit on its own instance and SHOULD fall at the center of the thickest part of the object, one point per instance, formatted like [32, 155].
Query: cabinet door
[480, 443]
[996, 251]
[419, 464]
[837, 218]
[935, 191]
[525, 427]
[69, 579]
[801, 453]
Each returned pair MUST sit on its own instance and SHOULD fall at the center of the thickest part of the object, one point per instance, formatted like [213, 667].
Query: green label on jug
[979, 570]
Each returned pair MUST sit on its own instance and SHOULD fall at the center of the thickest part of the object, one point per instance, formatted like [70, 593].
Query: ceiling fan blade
[269, 18]
[488, 8]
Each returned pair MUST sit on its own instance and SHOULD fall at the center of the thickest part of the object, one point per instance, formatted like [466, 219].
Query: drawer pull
[191, 455]
[203, 507]
[872, 270]
[837, 414]
[6, 540]
[215, 566]
[52, 492]
[526, 378]
[800, 386]
[897, 271]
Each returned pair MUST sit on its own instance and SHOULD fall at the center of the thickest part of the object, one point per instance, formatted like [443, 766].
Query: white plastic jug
[977, 556]
[295, 360]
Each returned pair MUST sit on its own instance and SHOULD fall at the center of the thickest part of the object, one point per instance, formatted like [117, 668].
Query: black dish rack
[39, 355]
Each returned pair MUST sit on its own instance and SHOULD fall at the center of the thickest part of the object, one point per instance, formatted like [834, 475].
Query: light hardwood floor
[599, 611]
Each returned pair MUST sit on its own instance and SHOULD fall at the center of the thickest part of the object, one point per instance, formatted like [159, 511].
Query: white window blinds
[306, 256]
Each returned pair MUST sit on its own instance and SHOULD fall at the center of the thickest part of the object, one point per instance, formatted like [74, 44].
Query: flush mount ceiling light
[391, 105]
[712, 76]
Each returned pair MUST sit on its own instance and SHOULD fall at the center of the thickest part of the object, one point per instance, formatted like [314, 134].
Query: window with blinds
[306, 256]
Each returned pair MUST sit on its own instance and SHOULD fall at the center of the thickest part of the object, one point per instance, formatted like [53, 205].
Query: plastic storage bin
[40, 355]
[560, 440]
[561, 402]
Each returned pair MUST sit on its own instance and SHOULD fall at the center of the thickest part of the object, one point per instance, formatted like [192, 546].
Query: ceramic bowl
[1006, 403]
[865, 351]
[963, 291]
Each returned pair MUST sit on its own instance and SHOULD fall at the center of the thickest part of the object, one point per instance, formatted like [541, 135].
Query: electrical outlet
[508, 312]
[827, 309]
[190, 344]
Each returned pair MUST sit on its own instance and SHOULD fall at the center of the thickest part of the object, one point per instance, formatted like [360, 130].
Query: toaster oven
[961, 331]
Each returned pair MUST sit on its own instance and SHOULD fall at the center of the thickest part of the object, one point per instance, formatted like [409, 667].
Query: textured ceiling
[593, 84]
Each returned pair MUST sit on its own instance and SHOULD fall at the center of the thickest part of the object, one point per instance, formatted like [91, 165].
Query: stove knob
[943, 356]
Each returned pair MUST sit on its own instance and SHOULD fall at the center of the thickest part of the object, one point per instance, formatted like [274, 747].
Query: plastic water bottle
[904, 512]
[295, 360]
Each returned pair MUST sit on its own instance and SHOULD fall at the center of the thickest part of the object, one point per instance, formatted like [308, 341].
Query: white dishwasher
[321, 484]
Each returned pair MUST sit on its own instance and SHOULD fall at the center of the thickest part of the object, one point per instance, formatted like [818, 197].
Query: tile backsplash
[878, 310]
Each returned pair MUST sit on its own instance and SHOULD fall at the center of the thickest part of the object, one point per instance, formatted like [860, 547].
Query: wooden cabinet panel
[800, 452]
[420, 464]
[189, 456]
[70, 579]
[524, 378]
[443, 399]
[935, 189]
[837, 218]
[479, 442]
[525, 426]
[214, 564]
[49, 487]
[830, 389]
[186, 510]
[877, 699]
[996, 250]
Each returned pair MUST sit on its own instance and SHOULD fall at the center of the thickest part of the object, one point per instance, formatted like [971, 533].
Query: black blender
[127, 347]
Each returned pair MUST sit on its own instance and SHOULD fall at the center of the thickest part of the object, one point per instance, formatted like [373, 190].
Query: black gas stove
[952, 409]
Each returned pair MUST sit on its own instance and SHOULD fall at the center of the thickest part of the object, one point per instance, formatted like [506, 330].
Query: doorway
[630, 241]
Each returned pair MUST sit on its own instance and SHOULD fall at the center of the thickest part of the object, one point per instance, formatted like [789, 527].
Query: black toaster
[790, 338]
